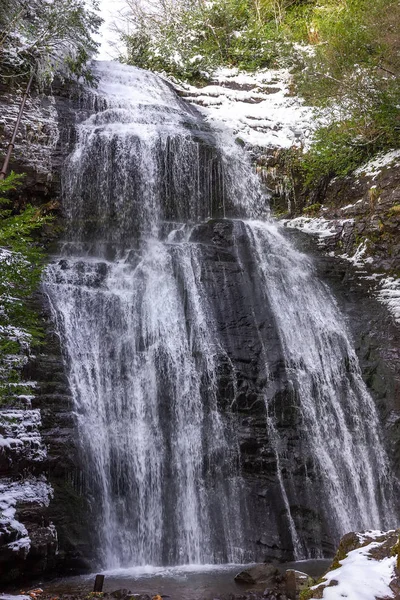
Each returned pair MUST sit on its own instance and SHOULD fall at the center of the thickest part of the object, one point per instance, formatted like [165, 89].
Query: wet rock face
[69, 509]
[296, 582]
[375, 332]
[371, 206]
[362, 209]
[28, 538]
[248, 331]
[43, 498]
[43, 516]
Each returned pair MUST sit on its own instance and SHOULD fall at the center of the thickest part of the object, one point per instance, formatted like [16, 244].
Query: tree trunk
[11, 145]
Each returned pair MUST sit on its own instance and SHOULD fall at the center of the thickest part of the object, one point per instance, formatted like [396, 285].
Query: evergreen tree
[49, 37]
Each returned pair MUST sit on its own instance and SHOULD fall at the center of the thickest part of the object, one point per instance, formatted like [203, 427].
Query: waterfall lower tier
[144, 370]
[219, 401]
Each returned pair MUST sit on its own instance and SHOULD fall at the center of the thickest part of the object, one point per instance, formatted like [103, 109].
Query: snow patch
[371, 534]
[316, 226]
[14, 597]
[358, 259]
[375, 166]
[19, 432]
[389, 294]
[360, 577]
[258, 107]
[30, 491]
[321, 228]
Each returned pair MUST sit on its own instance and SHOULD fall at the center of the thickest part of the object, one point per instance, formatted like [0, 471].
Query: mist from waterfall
[144, 350]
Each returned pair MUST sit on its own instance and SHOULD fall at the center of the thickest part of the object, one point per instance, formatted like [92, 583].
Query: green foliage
[354, 71]
[351, 73]
[312, 209]
[306, 594]
[356, 41]
[190, 39]
[21, 263]
[346, 143]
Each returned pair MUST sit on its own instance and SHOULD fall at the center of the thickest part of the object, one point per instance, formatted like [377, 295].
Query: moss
[373, 195]
[394, 211]
[313, 209]
[395, 551]
[20, 274]
[348, 543]
[280, 213]
[306, 594]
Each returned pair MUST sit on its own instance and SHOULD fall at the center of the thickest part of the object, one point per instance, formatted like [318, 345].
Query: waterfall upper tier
[144, 157]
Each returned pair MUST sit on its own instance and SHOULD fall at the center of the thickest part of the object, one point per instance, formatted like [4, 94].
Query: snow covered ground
[258, 108]
[360, 576]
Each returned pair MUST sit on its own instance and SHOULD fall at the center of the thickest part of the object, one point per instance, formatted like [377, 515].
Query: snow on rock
[366, 536]
[358, 259]
[32, 491]
[375, 166]
[361, 574]
[258, 107]
[386, 290]
[14, 597]
[18, 340]
[20, 435]
[389, 294]
[315, 226]
[319, 227]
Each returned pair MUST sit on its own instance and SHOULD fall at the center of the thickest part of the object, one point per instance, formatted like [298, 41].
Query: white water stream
[142, 348]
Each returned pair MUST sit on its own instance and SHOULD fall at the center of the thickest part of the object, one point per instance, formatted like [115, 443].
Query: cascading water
[339, 420]
[146, 350]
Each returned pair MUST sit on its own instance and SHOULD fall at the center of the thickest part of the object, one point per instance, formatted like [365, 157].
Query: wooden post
[11, 145]
[98, 583]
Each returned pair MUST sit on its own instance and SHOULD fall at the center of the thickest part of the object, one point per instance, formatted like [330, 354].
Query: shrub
[21, 263]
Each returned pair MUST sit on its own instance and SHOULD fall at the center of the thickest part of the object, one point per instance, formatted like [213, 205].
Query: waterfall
[340, 425]
[149, 348]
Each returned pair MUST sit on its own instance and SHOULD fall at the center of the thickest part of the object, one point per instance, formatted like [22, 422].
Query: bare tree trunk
[11, 145]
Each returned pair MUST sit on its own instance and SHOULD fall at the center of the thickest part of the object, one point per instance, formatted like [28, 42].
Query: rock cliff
[41, 486]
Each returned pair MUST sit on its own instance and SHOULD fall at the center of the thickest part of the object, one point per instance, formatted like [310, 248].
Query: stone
[122, 593]
[296, 581]
[258, 574]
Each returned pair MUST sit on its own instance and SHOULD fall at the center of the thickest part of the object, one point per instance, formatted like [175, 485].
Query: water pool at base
[191, 582]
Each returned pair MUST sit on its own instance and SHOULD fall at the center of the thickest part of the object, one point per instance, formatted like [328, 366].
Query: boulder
[120, 594]
[296, 582]
[258, 574]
